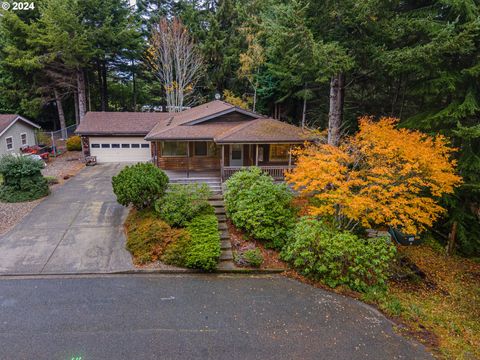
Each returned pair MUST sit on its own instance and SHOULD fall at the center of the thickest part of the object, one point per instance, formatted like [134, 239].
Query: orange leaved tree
[380, 176]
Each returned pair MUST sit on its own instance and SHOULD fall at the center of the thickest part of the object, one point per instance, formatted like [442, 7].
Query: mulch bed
[240, 241]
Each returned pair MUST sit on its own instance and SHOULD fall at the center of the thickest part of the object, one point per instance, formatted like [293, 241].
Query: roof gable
[8, 120]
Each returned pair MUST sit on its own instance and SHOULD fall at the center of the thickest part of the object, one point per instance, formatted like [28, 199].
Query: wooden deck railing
[277, 172]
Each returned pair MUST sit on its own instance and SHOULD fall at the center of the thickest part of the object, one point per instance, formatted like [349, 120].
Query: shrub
[74, 143]
[182, 203]
[257, 205]
[338, 257]
[139, 185]
[22, 179]
[252, 257]
[201, 250]
[148, 236]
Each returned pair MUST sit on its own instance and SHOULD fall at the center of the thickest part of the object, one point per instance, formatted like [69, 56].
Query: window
[174, 148]
[125, 146]
[95, 146]
[279, 152]
[203, 148]
[23, 138]
[145, 146]
[105, 146]
[115, 146]
[9, 141]
[135, 146]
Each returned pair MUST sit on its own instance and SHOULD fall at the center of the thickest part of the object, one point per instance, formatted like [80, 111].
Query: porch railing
[277, 172]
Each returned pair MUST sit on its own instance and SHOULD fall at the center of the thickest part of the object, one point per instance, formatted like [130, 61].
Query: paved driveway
[77, 229]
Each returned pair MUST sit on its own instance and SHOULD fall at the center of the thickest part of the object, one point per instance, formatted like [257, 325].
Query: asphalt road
[76, 229]
[189, 317]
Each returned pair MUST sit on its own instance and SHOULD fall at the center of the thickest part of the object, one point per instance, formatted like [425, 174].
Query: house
[15, 133]
[215, 137]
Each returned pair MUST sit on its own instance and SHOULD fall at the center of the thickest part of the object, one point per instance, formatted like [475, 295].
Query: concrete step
[224, 235]
[225, 245]
[216, 197]
[222, 226]
[226, 265]
[217, 203]
[226, 255]
[219, 210]
[222, 218]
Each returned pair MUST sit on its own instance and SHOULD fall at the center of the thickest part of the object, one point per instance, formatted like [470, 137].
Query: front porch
[207, 159]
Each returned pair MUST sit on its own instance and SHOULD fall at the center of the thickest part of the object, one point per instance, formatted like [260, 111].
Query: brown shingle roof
[120, 123]
[265, 131]
[204, 131]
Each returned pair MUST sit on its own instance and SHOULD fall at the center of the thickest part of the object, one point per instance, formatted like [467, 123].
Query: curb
[239, 271]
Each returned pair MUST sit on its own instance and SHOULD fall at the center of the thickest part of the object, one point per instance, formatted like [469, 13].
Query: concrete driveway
[77, 229]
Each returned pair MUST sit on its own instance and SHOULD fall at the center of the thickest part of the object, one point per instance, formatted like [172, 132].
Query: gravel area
[66, 165]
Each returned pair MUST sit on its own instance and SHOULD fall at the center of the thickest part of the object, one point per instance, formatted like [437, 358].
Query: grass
[443, 309]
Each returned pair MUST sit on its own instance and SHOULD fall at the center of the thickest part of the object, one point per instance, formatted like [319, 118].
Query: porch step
[216, 197]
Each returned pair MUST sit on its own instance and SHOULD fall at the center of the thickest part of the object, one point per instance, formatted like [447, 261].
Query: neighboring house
[15, 133]
[215, 137]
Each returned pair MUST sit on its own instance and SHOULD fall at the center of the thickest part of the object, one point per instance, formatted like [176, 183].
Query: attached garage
[120, 149]
[119, 136]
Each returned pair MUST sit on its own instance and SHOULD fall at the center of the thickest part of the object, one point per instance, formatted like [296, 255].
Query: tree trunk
[100, 85]
[254, 98]
[75, 103]
[81, 94]
[61, 115]
[452, 237]
[134, 85]
[104, 86]
[304, 112]
[335, 114]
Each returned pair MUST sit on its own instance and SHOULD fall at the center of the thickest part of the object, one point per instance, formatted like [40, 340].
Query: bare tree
[175, 60]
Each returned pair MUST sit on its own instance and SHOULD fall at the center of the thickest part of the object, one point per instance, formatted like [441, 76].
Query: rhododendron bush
[381, 176]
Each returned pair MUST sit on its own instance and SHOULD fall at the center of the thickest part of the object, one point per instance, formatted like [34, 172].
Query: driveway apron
[77, 229]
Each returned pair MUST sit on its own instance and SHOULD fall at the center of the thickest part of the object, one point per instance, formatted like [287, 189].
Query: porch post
[188, 159]
[256, 154]
[222, 163]
[290, 157]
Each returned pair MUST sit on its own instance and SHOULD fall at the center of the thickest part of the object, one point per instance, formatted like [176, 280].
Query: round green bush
[259, 206]
[139, 185]
[338, 257]
[22, 179]
[74, 143]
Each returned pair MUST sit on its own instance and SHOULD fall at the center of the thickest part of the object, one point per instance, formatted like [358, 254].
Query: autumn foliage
[382, 176]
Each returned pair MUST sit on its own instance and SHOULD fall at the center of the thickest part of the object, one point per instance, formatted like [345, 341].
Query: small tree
[139, 185]
[380, 176]
[175, 60]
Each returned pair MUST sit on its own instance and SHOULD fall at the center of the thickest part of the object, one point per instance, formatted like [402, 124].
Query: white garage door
[120, 149]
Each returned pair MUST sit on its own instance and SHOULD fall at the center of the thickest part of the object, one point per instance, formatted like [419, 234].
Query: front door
[236, 155]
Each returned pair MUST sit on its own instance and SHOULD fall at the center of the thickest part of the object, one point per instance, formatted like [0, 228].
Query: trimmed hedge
[74, 143]
[22, 179]
[259, 206]
[338, 257]
[201, 250]
[139, 185]
[182, 203]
